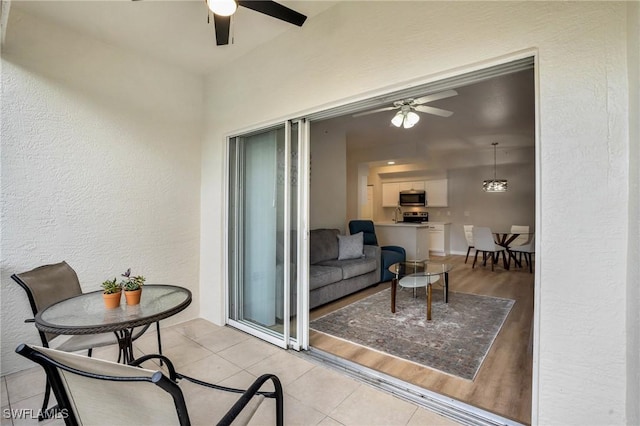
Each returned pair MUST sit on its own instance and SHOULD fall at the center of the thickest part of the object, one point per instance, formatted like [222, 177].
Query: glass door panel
[262, 225]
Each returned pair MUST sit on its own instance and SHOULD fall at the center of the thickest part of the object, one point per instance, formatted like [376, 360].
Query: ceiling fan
[223, 9]
[406, 116]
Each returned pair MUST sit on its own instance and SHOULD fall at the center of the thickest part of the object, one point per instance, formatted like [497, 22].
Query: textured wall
[356, 49]
[100, 167]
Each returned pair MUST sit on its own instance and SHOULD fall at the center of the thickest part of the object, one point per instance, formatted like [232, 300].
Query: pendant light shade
[397, 119]
[494, 185]
[222, 7]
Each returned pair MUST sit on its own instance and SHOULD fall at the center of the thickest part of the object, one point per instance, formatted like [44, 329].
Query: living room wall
[328, 191]
[357, 49]
[100, 167]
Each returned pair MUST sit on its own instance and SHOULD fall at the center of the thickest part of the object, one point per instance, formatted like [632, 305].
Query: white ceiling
[173, 31]
[499, 109]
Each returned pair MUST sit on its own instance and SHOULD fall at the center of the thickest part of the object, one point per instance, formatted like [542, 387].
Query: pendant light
[494, 185]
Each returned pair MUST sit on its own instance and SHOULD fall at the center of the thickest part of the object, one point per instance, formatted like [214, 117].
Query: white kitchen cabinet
[390, 194]
[437, 193]
[391, 191]
[439, 239]
[417, 185]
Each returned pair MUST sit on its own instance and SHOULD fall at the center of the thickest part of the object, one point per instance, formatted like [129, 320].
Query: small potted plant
[132, 287]
[111, 293]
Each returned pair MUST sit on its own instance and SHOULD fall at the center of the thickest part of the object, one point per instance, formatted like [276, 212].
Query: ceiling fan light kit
[222, 7]
[494, 185]
[405, 118]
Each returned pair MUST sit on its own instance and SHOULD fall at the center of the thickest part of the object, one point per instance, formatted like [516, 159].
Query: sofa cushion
[350, 246]
[323, 245]
[353, 267]
[320, 276]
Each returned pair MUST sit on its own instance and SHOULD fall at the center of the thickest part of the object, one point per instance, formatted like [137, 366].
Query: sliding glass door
[263, 233]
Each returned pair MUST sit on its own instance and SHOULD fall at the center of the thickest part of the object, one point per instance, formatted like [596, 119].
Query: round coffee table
[419, 273]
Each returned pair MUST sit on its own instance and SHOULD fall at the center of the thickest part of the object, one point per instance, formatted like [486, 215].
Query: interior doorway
[508, 395]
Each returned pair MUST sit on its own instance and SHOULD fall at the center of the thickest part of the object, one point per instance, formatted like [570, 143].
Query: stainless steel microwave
[413, 198]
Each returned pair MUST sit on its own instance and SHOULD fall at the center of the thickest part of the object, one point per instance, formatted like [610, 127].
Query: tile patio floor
[314, 394]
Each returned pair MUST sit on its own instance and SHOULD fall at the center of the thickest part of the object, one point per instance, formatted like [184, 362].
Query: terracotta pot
[111, 300]
[133, 296]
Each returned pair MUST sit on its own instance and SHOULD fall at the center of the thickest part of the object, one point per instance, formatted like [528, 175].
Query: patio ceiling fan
[407, 116]
[223, 9]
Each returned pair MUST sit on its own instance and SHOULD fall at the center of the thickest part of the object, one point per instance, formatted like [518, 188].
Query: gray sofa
[330, 278]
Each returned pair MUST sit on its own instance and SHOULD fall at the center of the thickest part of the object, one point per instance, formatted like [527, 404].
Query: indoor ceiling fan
[223, 9]
[406, 116]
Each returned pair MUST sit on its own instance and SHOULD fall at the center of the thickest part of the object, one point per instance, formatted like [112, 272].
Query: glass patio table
[86, 314]
[419, 273]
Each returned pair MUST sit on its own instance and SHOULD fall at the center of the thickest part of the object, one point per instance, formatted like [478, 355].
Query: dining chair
[485, 244]
[49, 284]
[389, 254]
[100, 392]
[527, 250]
[468, 235]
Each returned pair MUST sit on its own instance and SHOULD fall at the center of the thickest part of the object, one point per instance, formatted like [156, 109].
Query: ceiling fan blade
[435, 97]
[223, 25]
[375, 110]
[275, 10]
[434, 111]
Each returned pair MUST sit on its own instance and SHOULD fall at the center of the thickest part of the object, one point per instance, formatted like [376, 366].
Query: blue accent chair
[389, 254]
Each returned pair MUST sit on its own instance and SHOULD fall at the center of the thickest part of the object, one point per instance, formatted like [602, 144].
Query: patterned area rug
[455, 341]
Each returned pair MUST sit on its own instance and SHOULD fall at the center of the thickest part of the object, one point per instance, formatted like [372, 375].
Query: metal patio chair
[99, 392]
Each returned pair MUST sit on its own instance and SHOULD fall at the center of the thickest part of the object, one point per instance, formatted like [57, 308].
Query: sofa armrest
[374, 252]
[397, 249]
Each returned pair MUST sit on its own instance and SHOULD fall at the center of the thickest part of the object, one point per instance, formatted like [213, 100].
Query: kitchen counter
[403, 224]
[418, 239]
[411, 224]
[413, 237]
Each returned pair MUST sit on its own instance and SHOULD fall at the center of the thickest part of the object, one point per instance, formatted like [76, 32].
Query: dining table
[87, 314]
[504, 238]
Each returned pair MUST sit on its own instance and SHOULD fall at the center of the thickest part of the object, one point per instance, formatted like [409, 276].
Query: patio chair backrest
[100, 392]
[48, 284]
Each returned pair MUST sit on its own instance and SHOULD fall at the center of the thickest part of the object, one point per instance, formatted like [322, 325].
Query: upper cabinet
[408, 186]
[390, 194]
[437, 193]
[391, 191]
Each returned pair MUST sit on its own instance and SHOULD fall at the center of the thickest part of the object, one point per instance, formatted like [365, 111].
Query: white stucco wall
[356, 47]
[100, 167]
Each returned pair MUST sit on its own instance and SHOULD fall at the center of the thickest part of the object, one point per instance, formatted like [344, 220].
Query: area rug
[455, 341]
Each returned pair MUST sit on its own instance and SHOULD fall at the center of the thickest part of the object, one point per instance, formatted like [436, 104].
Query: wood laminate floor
[503, 383]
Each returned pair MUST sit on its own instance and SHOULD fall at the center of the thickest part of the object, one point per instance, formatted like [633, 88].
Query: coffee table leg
[446, 287]
[394, 285]
[429, 302]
